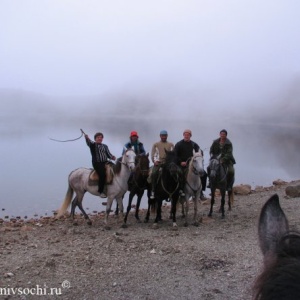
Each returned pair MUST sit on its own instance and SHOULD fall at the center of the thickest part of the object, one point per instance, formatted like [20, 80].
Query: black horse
[218, 177]
[281, 249]
[137, 184]
[167, 187]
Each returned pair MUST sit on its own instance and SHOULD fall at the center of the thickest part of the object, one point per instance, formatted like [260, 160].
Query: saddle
[109, 174]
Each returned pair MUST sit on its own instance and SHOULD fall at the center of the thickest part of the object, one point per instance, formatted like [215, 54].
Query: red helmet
[133, 133]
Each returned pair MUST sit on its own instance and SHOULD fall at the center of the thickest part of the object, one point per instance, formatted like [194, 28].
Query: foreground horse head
[280, 278]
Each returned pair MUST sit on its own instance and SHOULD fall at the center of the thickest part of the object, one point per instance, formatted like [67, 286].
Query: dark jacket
[99, 152]
[225, 151]
[184, 150]
[138, 147]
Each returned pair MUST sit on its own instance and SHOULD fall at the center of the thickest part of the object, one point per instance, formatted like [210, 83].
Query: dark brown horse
[138, 184]
[167, 187]
[280, 279]
[218, 177]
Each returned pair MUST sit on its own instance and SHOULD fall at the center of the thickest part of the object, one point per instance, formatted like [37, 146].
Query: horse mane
[118, 165]
[281, 275]
[171, 157]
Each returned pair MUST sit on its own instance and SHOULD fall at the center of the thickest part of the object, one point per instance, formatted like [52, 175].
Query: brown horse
[138, 184]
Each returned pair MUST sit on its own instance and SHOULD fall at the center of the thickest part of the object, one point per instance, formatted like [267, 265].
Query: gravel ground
[217, 260]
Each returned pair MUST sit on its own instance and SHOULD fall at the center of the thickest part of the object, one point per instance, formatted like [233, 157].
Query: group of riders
[184, 149]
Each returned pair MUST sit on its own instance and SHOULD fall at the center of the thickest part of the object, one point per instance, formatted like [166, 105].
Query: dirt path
[217, 260]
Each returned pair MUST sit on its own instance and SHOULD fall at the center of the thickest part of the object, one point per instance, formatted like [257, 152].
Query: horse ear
[273, 224]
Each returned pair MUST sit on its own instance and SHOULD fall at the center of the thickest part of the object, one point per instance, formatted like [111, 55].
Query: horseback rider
[135, 144]
[223, 146]
[100, 153]
[184, 150]
[158, 156]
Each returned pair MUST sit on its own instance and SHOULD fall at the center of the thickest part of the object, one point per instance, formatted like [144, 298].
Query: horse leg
[128, 209]
[212, 201]
[186, 206]
[79, 204]
[223, 194]
[230, 199]
[121, 208]
[173, 209]
[158, 212]
[73, 207]
[137, 208]
[196, 201]
[108, 208]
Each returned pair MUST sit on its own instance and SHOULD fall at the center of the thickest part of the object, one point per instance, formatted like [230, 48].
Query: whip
[71, 140]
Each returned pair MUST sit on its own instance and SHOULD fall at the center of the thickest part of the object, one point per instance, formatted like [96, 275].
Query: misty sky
[227, 51]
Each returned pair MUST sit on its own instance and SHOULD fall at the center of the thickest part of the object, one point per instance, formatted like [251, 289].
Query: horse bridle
[164, 188]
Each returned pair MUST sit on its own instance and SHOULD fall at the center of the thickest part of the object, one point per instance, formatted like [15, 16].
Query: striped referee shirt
[99, 152]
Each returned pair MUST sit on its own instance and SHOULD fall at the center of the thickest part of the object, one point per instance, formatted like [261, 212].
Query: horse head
[281, 249]
[128, 159]
[143, 164]
[171, 163]
[214, 166]
[196, 164]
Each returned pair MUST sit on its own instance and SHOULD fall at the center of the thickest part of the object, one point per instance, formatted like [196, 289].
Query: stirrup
[152, 195]
[181, 193]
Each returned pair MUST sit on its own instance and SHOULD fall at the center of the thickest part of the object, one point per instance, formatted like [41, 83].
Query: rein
[164, 188]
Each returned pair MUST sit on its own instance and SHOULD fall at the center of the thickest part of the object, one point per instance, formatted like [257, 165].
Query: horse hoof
[209, 215]
[146, 221]
[174, 228]
[75, 224]
[196, 224]
[107, 227]
[124, 225]
[223, 217]
[185, 224]
[138, 221]
[229, 209]
[89, 222]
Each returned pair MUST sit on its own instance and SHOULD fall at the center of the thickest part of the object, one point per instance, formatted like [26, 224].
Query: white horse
[193, 186]
[81, 182]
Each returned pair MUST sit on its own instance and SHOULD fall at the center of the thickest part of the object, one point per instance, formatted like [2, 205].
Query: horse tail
[66, 202]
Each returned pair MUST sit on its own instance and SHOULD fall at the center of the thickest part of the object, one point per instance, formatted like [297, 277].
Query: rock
[242, 189]
[293, 191]
[279, 182]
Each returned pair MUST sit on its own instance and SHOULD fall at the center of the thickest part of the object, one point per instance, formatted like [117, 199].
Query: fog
[120, 66]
